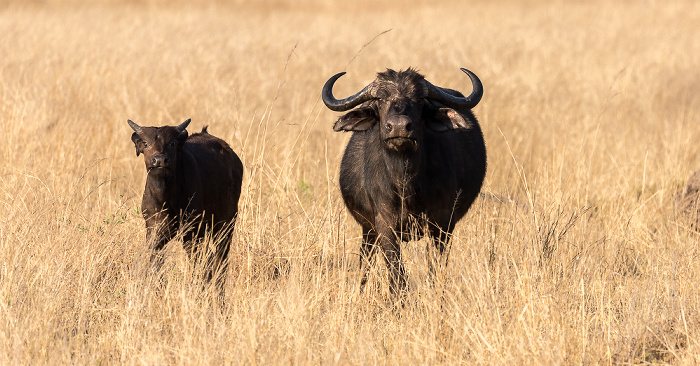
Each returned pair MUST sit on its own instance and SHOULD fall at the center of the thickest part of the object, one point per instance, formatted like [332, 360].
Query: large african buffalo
[416, 160]
[193, 183]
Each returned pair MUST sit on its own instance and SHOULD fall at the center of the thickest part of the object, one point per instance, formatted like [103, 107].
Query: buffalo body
[413, 166]
[193, 185]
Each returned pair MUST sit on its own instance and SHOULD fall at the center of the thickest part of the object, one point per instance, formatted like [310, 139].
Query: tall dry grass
[590, 118]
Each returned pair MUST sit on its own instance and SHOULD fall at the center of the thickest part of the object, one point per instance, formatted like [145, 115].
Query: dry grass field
[590, 116]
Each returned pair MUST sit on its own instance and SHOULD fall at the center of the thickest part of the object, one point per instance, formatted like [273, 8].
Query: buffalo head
[402, 104]
[159, 145]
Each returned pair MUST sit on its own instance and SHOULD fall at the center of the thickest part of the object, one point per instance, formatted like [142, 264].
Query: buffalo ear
[182, 137]
[360, 119]
[137, 141]
[447, 119]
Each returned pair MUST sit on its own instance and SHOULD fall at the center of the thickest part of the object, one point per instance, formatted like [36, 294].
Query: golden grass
[590, 119]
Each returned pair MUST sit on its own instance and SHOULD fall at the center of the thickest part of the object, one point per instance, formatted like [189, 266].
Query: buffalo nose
[399, 125]
[160, 161]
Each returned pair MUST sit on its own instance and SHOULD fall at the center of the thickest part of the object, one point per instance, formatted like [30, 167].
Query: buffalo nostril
[408, 126]
[160, 161]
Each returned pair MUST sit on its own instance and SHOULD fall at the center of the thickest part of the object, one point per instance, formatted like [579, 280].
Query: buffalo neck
[161, 189]
[404, 169]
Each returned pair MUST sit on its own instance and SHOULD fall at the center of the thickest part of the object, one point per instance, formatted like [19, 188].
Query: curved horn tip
[182, 126]
[133, 125]
[478, 88]
[335, 77]
[470, 74]
[338, 75]
[329, 83]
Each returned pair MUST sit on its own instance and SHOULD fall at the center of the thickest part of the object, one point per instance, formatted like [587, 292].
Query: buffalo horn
[134, 126]
[439, 95]
[344, 104]
[183, 125]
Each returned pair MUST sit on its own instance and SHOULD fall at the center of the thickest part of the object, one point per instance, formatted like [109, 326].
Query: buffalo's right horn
[134, 126]
[183, 125]
[439, 95]
[344, 104]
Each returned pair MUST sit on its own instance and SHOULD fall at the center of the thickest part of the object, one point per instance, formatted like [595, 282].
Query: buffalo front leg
[157, 236]
[160, 230]
[391, 248]
[369, 240]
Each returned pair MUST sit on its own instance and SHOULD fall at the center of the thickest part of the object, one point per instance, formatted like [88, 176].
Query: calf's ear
[182, 136]
[137, 141]
[360, 119]
[447, 119]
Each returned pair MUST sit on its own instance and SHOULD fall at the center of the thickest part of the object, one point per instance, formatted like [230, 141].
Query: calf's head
[403, 104]
[159, 146]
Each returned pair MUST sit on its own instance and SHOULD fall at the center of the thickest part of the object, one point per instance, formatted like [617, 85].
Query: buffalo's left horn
[183, 125]
[134, 126]
[437, 94]
[344, 104]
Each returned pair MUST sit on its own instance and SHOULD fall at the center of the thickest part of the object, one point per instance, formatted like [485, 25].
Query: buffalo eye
[145, 145]
[172, 143]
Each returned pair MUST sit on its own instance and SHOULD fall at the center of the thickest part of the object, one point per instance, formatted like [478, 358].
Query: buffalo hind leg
[212, 261]
[441, 241]
[218, 266]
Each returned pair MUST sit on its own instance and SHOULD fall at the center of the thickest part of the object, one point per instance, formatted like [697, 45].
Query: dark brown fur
[193, 180]
[410, 164]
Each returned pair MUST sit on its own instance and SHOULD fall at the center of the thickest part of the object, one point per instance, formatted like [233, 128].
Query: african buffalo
[416, 160]
[193, 184]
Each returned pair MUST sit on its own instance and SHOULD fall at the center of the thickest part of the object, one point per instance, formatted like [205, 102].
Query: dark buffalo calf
[193, 183]
[416, 160]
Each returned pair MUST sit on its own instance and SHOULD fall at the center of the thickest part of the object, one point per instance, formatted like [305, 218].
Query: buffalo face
[159, 146]
[398, 118]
